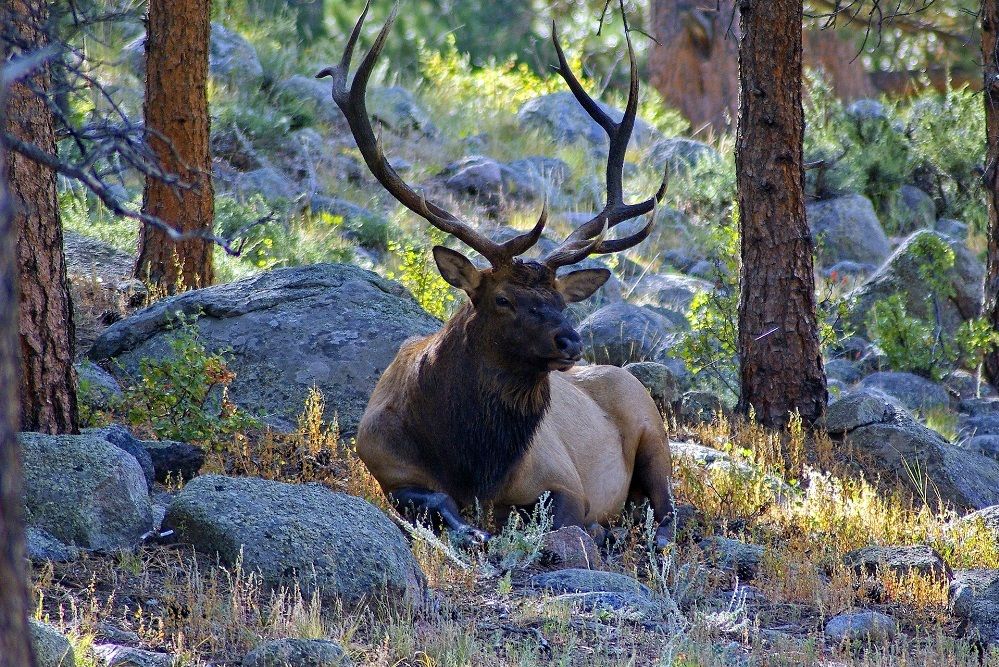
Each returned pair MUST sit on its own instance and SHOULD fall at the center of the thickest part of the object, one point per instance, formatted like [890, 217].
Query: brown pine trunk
[990, 62]
[15, 646]
[694, 66]
[780, 362]
[176, 112]
[48, 381]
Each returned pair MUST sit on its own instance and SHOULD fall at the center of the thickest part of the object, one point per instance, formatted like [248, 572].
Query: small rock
[396, 108]
[112, 655]
[297, 653]
[559, 116]
[952, 228]
[735, 555]
[116, 636]
[974, 597]
[901, 560]
[843, 370]
[51, 648]
[42, 546]
[701, 406]
[866, 109]
[571, 547]
[864, 626]
[979, 406]
[911, 209]
[986, 445]
[672, 291]
[968, 386]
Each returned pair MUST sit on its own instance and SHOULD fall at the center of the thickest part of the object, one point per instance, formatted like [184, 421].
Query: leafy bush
[418, 273]
[184, 396]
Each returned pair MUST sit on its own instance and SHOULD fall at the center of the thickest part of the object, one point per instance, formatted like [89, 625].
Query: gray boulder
[860, 408]
[84, 491]
[952, 228]
[701, 406]
[622, 333]
[894, 444]
[578, 580]
[661, 383]
[910, 209]
[559, 116]
[847, 228]
[900, 274]
[861, 626]
[987, 516]
[974, 598]
[230, 57]
[315, 95]
[843, 370]
[297, 653]
[968, 386]
[671, 291]
[113, 655]
[174, 460]
[268, 182]
[866, 109]
[333, 326]
[396, 108]
[120, 437]
[901, 560]
[98, 389]
[42, 546]
[987, 445]
[52, 649]
[680, 155]
[337, 545]
[912, 391]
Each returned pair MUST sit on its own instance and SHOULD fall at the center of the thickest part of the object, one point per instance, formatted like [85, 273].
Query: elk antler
[588, 238]
[352, 103]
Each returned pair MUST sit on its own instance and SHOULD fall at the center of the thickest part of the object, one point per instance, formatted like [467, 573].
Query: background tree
[990, 76]
[15, 646]
[780, 361]
[177, 122]
[48, 381]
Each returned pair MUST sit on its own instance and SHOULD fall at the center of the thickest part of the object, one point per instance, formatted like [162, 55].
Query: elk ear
[581, 284]
[456, 269]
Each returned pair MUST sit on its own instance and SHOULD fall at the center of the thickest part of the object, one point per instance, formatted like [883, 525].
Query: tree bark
[176, 112]
[780, 361]
[48, 380]
[694, 66]
[15, 644]
[990, 86]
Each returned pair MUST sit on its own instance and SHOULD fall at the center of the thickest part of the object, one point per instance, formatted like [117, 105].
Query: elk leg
[415, 501]
[652, 481]
[570, 509]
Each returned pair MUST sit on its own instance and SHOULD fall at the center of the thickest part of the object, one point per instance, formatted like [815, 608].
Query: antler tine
[518, 245]
[615, 211]
[354, 107]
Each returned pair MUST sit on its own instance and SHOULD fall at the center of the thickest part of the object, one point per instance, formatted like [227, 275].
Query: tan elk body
[491, 409]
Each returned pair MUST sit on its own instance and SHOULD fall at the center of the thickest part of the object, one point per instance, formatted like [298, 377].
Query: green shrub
[184, 396]
[418, 273]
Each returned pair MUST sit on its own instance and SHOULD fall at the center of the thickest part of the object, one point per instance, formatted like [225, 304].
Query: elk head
[518, 303]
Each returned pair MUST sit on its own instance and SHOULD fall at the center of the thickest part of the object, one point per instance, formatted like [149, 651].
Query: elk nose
[569, 344]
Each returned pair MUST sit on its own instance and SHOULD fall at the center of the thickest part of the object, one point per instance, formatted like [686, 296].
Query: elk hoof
[472, 537]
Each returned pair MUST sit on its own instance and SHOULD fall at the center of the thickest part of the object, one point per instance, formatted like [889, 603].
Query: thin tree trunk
[780, 361]
[15, 644]
[176, 112]
[990, 61]
[48, 380]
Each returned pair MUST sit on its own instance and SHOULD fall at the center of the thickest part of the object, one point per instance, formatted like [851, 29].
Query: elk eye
[502, 302]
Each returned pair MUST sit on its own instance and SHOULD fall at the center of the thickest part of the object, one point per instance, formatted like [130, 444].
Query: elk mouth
[563, 363]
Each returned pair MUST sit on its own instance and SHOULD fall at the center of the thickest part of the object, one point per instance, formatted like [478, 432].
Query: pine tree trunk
[48, 380]
[990, 80]
[780, 362]
[176, 112]
[15, 646]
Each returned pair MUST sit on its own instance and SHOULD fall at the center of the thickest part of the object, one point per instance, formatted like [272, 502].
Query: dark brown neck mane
[477, 412]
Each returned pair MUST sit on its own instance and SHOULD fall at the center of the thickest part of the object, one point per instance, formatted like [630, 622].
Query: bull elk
[491, 408]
